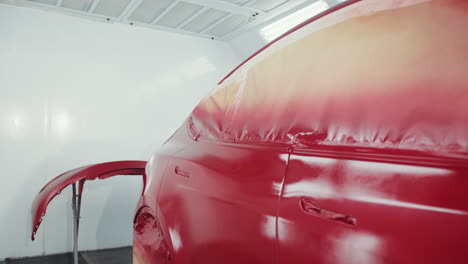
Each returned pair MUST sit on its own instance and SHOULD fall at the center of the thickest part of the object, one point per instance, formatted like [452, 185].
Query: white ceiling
[219, 19]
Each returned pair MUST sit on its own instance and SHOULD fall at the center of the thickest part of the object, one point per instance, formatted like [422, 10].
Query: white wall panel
[75, 92]
[247, 44]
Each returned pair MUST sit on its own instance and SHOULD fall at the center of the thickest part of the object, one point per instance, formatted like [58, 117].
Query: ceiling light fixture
[281, 26]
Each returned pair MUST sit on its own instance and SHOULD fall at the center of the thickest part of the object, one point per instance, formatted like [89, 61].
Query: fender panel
[82, 174]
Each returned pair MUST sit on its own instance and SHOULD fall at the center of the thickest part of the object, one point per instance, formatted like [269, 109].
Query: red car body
[344, 141]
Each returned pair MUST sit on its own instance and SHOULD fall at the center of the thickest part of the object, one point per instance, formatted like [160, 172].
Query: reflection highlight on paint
[269, 226]
[284, 157]
[393, 169]
[322, 189]
[356, 248]
[390, 202]
[314, 161]
[175, 238]
[315, 188]
[277, 186]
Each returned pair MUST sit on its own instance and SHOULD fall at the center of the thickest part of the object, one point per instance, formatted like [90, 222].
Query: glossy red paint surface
[323, 153]
[226, 204]
[344, 142]
[402, 213]
[364, 76]
[80, 175]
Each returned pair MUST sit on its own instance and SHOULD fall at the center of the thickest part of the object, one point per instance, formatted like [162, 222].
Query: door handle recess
[181, 172]
[310, 207]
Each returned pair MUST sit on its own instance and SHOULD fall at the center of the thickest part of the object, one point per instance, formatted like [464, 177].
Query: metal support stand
[76, 207]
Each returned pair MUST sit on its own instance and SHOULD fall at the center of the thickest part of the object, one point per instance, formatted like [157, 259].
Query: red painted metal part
[410, 213]
[347, 143]
[361, 160]
[82, 174]
[378, 88]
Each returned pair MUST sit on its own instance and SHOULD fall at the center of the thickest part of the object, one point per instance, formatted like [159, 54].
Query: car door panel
[219, 203]
[372, 212]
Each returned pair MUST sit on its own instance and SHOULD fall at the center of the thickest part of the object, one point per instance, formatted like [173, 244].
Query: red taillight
[149, 243]
[144, 221]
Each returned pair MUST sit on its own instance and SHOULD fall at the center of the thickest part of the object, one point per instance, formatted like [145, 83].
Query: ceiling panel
[111, 8]
[205, 19]
[237, 2]
[50, 2]
[181, 12]
[149, 9]
[230, 24]
[267, 5]
[224, 19]
[83, 5]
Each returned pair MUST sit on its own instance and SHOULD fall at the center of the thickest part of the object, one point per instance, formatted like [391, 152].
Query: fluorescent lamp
[284, 24]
